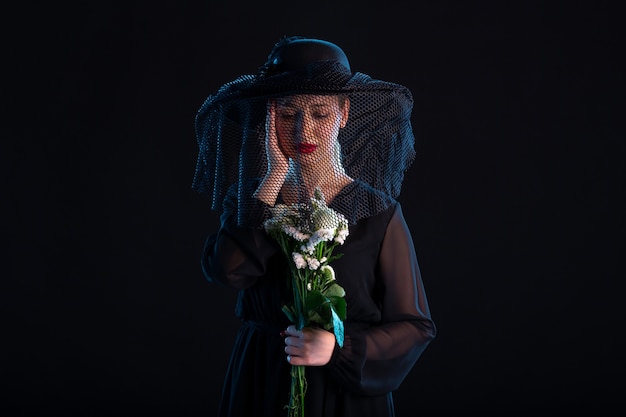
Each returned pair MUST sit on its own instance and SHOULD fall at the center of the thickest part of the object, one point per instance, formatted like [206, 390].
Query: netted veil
[335, 128]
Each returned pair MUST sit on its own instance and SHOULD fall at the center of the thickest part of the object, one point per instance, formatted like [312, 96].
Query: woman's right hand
[277, 162]
[309, 346]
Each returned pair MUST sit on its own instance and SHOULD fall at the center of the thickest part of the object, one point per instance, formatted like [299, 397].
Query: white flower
[309, 247]
[313, 263]
[328, 272]
[299, 260]
[326, 234]
[342, 235]
[294, 233]
[316, 238]
[308, 286]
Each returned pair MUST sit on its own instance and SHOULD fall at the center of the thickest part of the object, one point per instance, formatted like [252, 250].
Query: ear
[345, 111]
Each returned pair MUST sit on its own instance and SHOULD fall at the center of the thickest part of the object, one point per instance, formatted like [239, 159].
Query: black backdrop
[514, 200]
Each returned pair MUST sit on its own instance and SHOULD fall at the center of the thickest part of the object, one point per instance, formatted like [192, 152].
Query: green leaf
[334, 290]
[289, 313]
[324, 311]
[314, 299]
[316, 318]
[339, 306]
[333, 257]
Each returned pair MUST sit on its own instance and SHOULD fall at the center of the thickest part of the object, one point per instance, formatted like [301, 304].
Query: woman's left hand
[309, 346]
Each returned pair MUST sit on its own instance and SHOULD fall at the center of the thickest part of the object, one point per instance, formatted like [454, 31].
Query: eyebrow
[290, 103]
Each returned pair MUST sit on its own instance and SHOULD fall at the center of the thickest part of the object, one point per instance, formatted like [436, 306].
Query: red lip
[306, 147]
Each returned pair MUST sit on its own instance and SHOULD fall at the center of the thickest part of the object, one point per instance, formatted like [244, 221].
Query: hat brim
[376, 142]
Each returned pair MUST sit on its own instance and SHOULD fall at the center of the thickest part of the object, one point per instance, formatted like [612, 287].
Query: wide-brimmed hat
[376, 143]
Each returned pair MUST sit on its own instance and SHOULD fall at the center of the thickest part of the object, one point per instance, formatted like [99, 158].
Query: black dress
[387, 328]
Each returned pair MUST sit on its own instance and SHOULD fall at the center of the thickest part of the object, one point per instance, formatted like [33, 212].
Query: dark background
[514, 200]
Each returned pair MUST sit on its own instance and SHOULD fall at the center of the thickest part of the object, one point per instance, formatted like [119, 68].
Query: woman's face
[307, 126]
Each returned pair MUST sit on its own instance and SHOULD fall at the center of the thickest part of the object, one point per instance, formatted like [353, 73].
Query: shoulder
[359, 201]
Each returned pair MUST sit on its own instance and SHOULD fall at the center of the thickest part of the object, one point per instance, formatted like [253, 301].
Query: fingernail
[283, 333]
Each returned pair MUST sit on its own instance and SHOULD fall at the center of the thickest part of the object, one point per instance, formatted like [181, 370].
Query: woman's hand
[309, 346]
[277, 162]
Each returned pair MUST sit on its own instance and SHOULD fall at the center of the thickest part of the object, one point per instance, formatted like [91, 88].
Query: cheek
[329, 131]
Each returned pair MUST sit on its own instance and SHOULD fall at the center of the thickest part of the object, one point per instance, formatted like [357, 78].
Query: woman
[305, 121]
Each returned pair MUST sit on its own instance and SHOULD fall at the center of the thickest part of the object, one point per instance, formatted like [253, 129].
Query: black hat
[376, 143]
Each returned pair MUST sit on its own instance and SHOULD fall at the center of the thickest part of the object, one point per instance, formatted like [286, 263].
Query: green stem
[298, 389]
[298, 380]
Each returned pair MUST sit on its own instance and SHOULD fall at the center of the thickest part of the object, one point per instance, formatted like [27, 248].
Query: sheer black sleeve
[237, 256]
[376, 359]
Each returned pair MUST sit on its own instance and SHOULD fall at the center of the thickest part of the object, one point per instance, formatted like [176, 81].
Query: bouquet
[307, 235]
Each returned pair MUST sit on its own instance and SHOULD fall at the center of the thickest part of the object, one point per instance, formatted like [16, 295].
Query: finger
[295, 360]
[292, 351]
[292, 331]
[293, 341]
[271, 138]
[270, 120]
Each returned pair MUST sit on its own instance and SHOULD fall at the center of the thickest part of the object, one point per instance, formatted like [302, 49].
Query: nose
[303, 127]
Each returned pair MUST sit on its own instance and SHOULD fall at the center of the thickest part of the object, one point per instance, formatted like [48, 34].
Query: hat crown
[296, 54]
